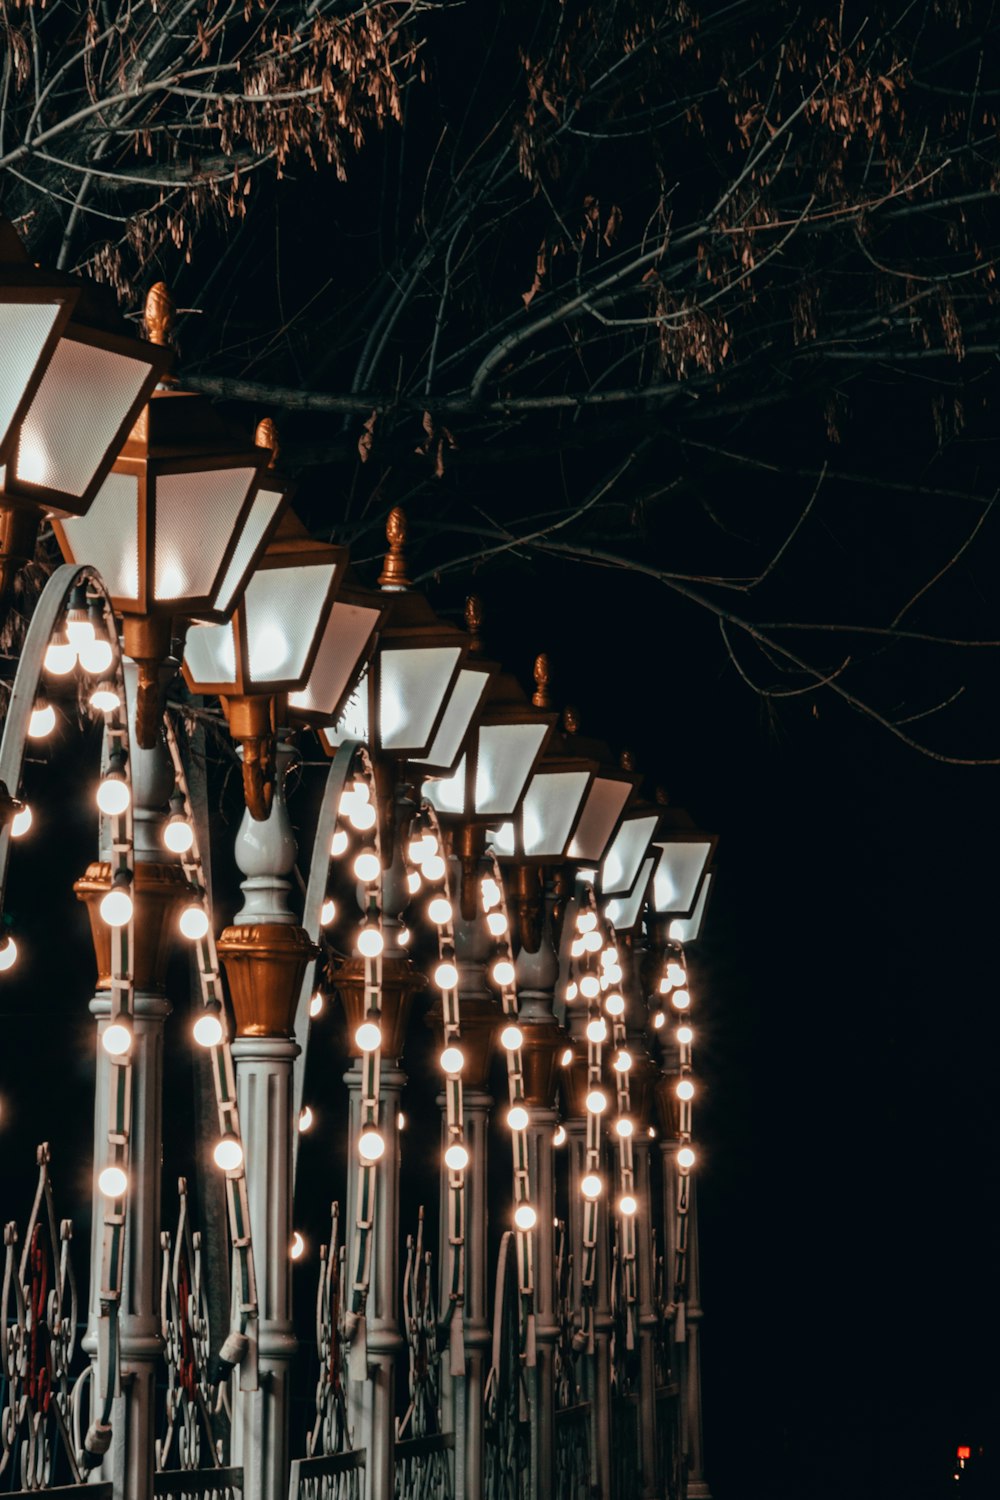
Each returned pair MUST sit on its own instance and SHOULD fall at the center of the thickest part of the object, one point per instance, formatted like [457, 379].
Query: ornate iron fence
[199, 1484]
[572, 1429]
[328, 1476]
[669, 1456]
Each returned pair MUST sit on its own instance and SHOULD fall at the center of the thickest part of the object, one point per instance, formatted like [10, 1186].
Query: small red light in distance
[964, 1453]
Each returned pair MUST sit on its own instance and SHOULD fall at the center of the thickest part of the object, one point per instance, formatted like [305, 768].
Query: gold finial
[393, 574]
[628, 760]
[661, 796]
[541, 697]
[159, 315]
[474, 621]
[571, 719]
[266, 436]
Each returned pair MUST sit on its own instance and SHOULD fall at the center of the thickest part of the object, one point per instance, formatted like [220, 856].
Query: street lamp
[687, 930]
[684, 854]
[624, 911]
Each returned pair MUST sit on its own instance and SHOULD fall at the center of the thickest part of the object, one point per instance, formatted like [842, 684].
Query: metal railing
[572, 1429]
[328, 1476]
[422, 1467]
[198, 1484]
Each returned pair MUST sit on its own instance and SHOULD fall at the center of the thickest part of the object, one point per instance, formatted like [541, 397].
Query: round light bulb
[566, 1057]
[503, 972]
[686, 1158]
[113, 795]
[362, 793]
[492, 895]
[96, 657]
[659, 1020]
[371, 1146]
[112, 1182]
[105, 699]
[415, 850]
[517, 1117]
[306, 1118]
[297, 1248]
[338, 844]
[42, 722]
[496, 923]
[614, 1005]
[592, 942]
[116, 1039]
[400, 1121]
[609, 957]
[316, 1004]
[433, 868]
[597, 1101]
[439, 910]
[597, 1031]
[627, 1205]
[685, 1089]
[367, 866]
[651, 1132]
[590, 986]
[363, 816]
[446, 976]
[572, 990]
[403, 936]
[664, 985]
[590, 1187]
[60, 658]
[327, 912]
[178, 835]
[586, 921]
[116, 907]
[681, 999]
[685, 1036]
[228, 1154]
[208, 1030]
[675, 973]
[21, 823]
[623, 1061]
[413, 882]
[370, 943]
[511, 1038]
[346, 804]
[576, 948]
[559, 1139]
[456, 1158]
[368, 1036]
[452, 1060]
[525, 1217]
[80, 632]
[8, 955]
[613, 973]
[194, 922]
[624, 1127]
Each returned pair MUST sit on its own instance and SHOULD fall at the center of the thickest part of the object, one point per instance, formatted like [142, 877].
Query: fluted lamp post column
[265, 953]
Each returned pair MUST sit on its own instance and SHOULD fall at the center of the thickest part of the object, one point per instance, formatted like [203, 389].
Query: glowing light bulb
[651, 1132]
[42, 722]
[623, 1127]
[367, 866]
[609, 957]
[591, 1185]
[597, 1031]
[511, 1038]
[96, 657]
[572, 990]
[327, 912]
[446, 976]
[685, 1089]
[614, 1005]
[566, 1057]
[590, 986]
[370, 942]
[525, 1217]
[8, 955]
[597, 1101]
[228, 1154]
[112, 1182]
[659, 1020]
[613, 973]
[586, 921]
[433, 868]
[208, 1030]
[559, 1139]
[627, 1205]
[21, 822]
[456, 1158]
[415, 850]
[623, 1061]
[664, 985]
[116, 1039]
[592, 942]
[362, 792]
[452, 1060]
[675, 973]
[517, 1117]
[400, 1121]
[306, 1119]
[371, 1146]
[113, 795]
[368, 1036]
[497, 923]
[60, 658]
[576, 948]
[80, 632]
[297, 1248]
[685, 1036]
[439, 910]
[338, 843]
[492, 895]
[413, 882]
[363, 816]
[403, 936]
[686, 1158]
[178, 835]
[194, 922]
[105, 699]
[316, 1005]
[116, 907]
[681, 999]
[503, 972]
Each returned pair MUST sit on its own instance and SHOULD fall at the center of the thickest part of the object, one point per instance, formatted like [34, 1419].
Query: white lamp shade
[680, 867]
[412, 686]
[263, 510]
[688, 929]
[342, 652]
[550, 810]
[602, 809]
[624, 857]
[624, 911]
[463, 701]
[26, 330]
[507, 753]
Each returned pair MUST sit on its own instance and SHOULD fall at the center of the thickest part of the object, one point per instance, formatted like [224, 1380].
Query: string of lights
[673, 985]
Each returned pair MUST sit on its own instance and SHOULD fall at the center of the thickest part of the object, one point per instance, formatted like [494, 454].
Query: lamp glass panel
[549, 808]
[85, 395]
[347, 633]
[677, 875]
[24, 327]
[283, 608]
[506, 755]
[688, 929]
[623, 859]
[623, 911]
[597, 821]
[465, 699]
[502, 838]
[107, 537]
[210, 653]
[262, 512]
[196, 515]
[447, 793]
[413, 683]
